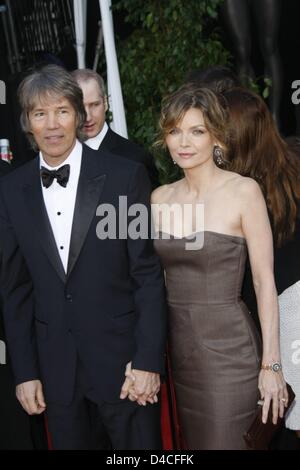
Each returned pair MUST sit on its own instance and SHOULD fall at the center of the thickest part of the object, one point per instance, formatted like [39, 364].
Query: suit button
[69, 297]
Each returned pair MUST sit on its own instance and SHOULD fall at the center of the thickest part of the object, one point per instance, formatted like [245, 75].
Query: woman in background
[215, 352]
[256, 150]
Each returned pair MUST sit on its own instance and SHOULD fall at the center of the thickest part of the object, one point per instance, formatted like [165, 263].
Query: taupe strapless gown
[214, 345]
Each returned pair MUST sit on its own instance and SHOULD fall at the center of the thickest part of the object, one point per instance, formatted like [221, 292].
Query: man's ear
[105, 103]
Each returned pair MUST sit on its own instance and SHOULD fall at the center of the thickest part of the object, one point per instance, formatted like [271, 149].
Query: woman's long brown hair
[256, 149]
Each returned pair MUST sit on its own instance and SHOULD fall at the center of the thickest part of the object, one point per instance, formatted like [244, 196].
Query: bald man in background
[99, 134]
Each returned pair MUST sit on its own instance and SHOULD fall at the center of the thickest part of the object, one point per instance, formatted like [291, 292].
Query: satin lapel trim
[87, 200]
[34, 198]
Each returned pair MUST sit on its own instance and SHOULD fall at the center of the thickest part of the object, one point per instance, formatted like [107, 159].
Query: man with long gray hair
[84, 317]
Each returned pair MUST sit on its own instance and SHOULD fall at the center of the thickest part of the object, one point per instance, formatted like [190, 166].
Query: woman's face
[189, 142]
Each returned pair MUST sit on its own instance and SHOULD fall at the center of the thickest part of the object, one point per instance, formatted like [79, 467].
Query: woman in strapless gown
[214, 345]
[219, 369]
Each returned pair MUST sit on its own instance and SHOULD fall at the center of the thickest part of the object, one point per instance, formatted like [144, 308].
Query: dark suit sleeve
[17, 294]
[152, 170]
[148, 282]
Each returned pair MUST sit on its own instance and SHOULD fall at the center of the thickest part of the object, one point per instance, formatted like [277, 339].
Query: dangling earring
[174, 162]
[218, 156]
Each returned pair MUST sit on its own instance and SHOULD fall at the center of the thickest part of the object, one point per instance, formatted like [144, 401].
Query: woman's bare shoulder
[243, 185]
[163, 193]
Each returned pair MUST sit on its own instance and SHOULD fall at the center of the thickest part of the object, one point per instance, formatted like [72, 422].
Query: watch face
[276, 367]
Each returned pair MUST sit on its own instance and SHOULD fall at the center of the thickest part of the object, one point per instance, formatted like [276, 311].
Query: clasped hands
[140, 386]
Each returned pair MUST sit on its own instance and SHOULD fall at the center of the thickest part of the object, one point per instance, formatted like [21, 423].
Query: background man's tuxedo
[117, 144]
[109, 307]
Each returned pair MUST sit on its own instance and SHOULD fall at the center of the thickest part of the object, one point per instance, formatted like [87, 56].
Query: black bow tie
[61, 175]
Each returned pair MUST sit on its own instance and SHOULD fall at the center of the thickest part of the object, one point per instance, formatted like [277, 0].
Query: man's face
[53, 125]
[95, 105]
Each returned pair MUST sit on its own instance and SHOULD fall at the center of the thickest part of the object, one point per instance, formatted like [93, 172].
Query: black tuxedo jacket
[117, 144]
[107, 310]
[4, 168]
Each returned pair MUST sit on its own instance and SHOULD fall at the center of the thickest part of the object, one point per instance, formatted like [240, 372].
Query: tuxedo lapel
[109, 141]
[90, 186]
[33, 196]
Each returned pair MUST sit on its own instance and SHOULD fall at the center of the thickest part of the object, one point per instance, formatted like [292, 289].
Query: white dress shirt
[60, 202]
[94, 142]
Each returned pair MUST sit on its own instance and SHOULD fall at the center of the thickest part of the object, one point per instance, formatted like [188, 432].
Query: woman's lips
[185, 155]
